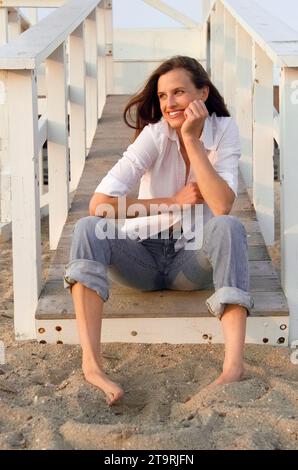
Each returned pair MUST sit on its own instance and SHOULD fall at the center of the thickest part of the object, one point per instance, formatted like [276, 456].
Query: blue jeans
[152, 264]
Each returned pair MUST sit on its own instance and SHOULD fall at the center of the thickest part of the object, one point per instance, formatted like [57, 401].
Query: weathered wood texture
[111, 139]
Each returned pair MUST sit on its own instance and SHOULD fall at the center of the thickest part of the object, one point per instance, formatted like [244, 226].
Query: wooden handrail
[277, 39]
[32, 47]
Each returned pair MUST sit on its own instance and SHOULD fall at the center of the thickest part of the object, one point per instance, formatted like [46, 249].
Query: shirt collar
[207, 135]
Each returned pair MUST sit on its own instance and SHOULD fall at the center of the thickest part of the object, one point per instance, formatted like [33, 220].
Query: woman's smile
[176, 114]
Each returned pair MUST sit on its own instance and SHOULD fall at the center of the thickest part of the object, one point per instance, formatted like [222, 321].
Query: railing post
[263, 149]
[230, 79]
[5, 164]
[77, 96]
[14, 25]
[3, 26]
[23, 153]
[91, 77]
[101, 53]
[109, 46]
[244, 101]
[217, 46]
[289, 191]
[58, 163]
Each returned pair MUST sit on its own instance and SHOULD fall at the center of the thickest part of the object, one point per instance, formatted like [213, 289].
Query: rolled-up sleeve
[127, 172]
[228, 154]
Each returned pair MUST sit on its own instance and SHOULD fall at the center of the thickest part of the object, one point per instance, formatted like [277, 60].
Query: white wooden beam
[289, 191]
[109, 35]
[30, 49]
[42, 132]
[200, 330]
[5, 164]
[14, 25]
[263, 148]
[23, 153]
[217, 46]
[244, 101]
[173, 13]
[230, 82]
[91, 77]
[77, 96]
[276, 38]
[101, 52]
[32, 3]
[3, 26]
[58, 166]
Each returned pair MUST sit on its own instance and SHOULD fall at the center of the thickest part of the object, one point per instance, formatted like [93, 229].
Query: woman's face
[176, 91]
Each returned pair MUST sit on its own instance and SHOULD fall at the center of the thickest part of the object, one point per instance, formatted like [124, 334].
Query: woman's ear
[205, 93]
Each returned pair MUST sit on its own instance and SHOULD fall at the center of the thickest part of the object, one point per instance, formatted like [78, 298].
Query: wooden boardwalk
[169, 316]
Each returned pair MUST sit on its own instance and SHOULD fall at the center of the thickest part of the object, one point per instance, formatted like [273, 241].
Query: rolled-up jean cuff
[229, 295]
[91, 274]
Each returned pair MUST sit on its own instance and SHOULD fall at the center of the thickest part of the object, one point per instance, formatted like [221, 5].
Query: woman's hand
[189, 194]
[195, 115]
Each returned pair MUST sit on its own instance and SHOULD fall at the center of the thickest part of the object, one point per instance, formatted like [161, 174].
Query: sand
[46, 404]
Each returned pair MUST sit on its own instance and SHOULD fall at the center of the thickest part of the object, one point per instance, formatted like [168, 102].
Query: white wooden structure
[72, 87]
[74, 59]
[246, 44]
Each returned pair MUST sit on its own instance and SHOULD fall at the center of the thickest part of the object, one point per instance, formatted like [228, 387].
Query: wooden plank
[5, 164]
[109, 59]
[32, 3]
[14, 25]
[257, 269]
[42, 132]
[3, 26]
[101, 51]
[58, 165]
[77, 98]
[172, 13]
[57, 302]
[263, 148]
[217, 46]
[230, 77]
[289, 192]
[30, 49]
[274, 37]
[272, 331]
[244, 101]
[23, 155]
[91, 77]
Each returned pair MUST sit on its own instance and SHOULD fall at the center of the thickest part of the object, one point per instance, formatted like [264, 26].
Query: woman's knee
[86, 226]
[228, 223]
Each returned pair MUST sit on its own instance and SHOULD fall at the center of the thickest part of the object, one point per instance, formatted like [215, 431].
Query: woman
[186, 151]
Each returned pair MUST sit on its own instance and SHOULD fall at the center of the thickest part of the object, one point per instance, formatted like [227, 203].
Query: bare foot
[97, 377]
[227, 377]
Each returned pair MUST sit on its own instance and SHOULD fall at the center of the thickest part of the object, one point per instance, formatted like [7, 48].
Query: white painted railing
[75, 85]
[246, 45]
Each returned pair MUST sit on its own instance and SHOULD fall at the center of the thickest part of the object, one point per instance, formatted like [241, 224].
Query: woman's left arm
[214, 189]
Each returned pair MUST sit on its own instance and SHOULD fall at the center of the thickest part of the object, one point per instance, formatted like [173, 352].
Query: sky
[145, 16]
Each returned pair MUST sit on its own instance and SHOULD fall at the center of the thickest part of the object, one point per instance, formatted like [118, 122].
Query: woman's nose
[171, 102]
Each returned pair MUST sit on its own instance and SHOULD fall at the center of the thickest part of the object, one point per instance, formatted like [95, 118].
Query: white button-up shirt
[154, 160]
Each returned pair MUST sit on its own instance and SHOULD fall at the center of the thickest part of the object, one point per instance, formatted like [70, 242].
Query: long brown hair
[145, 104]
